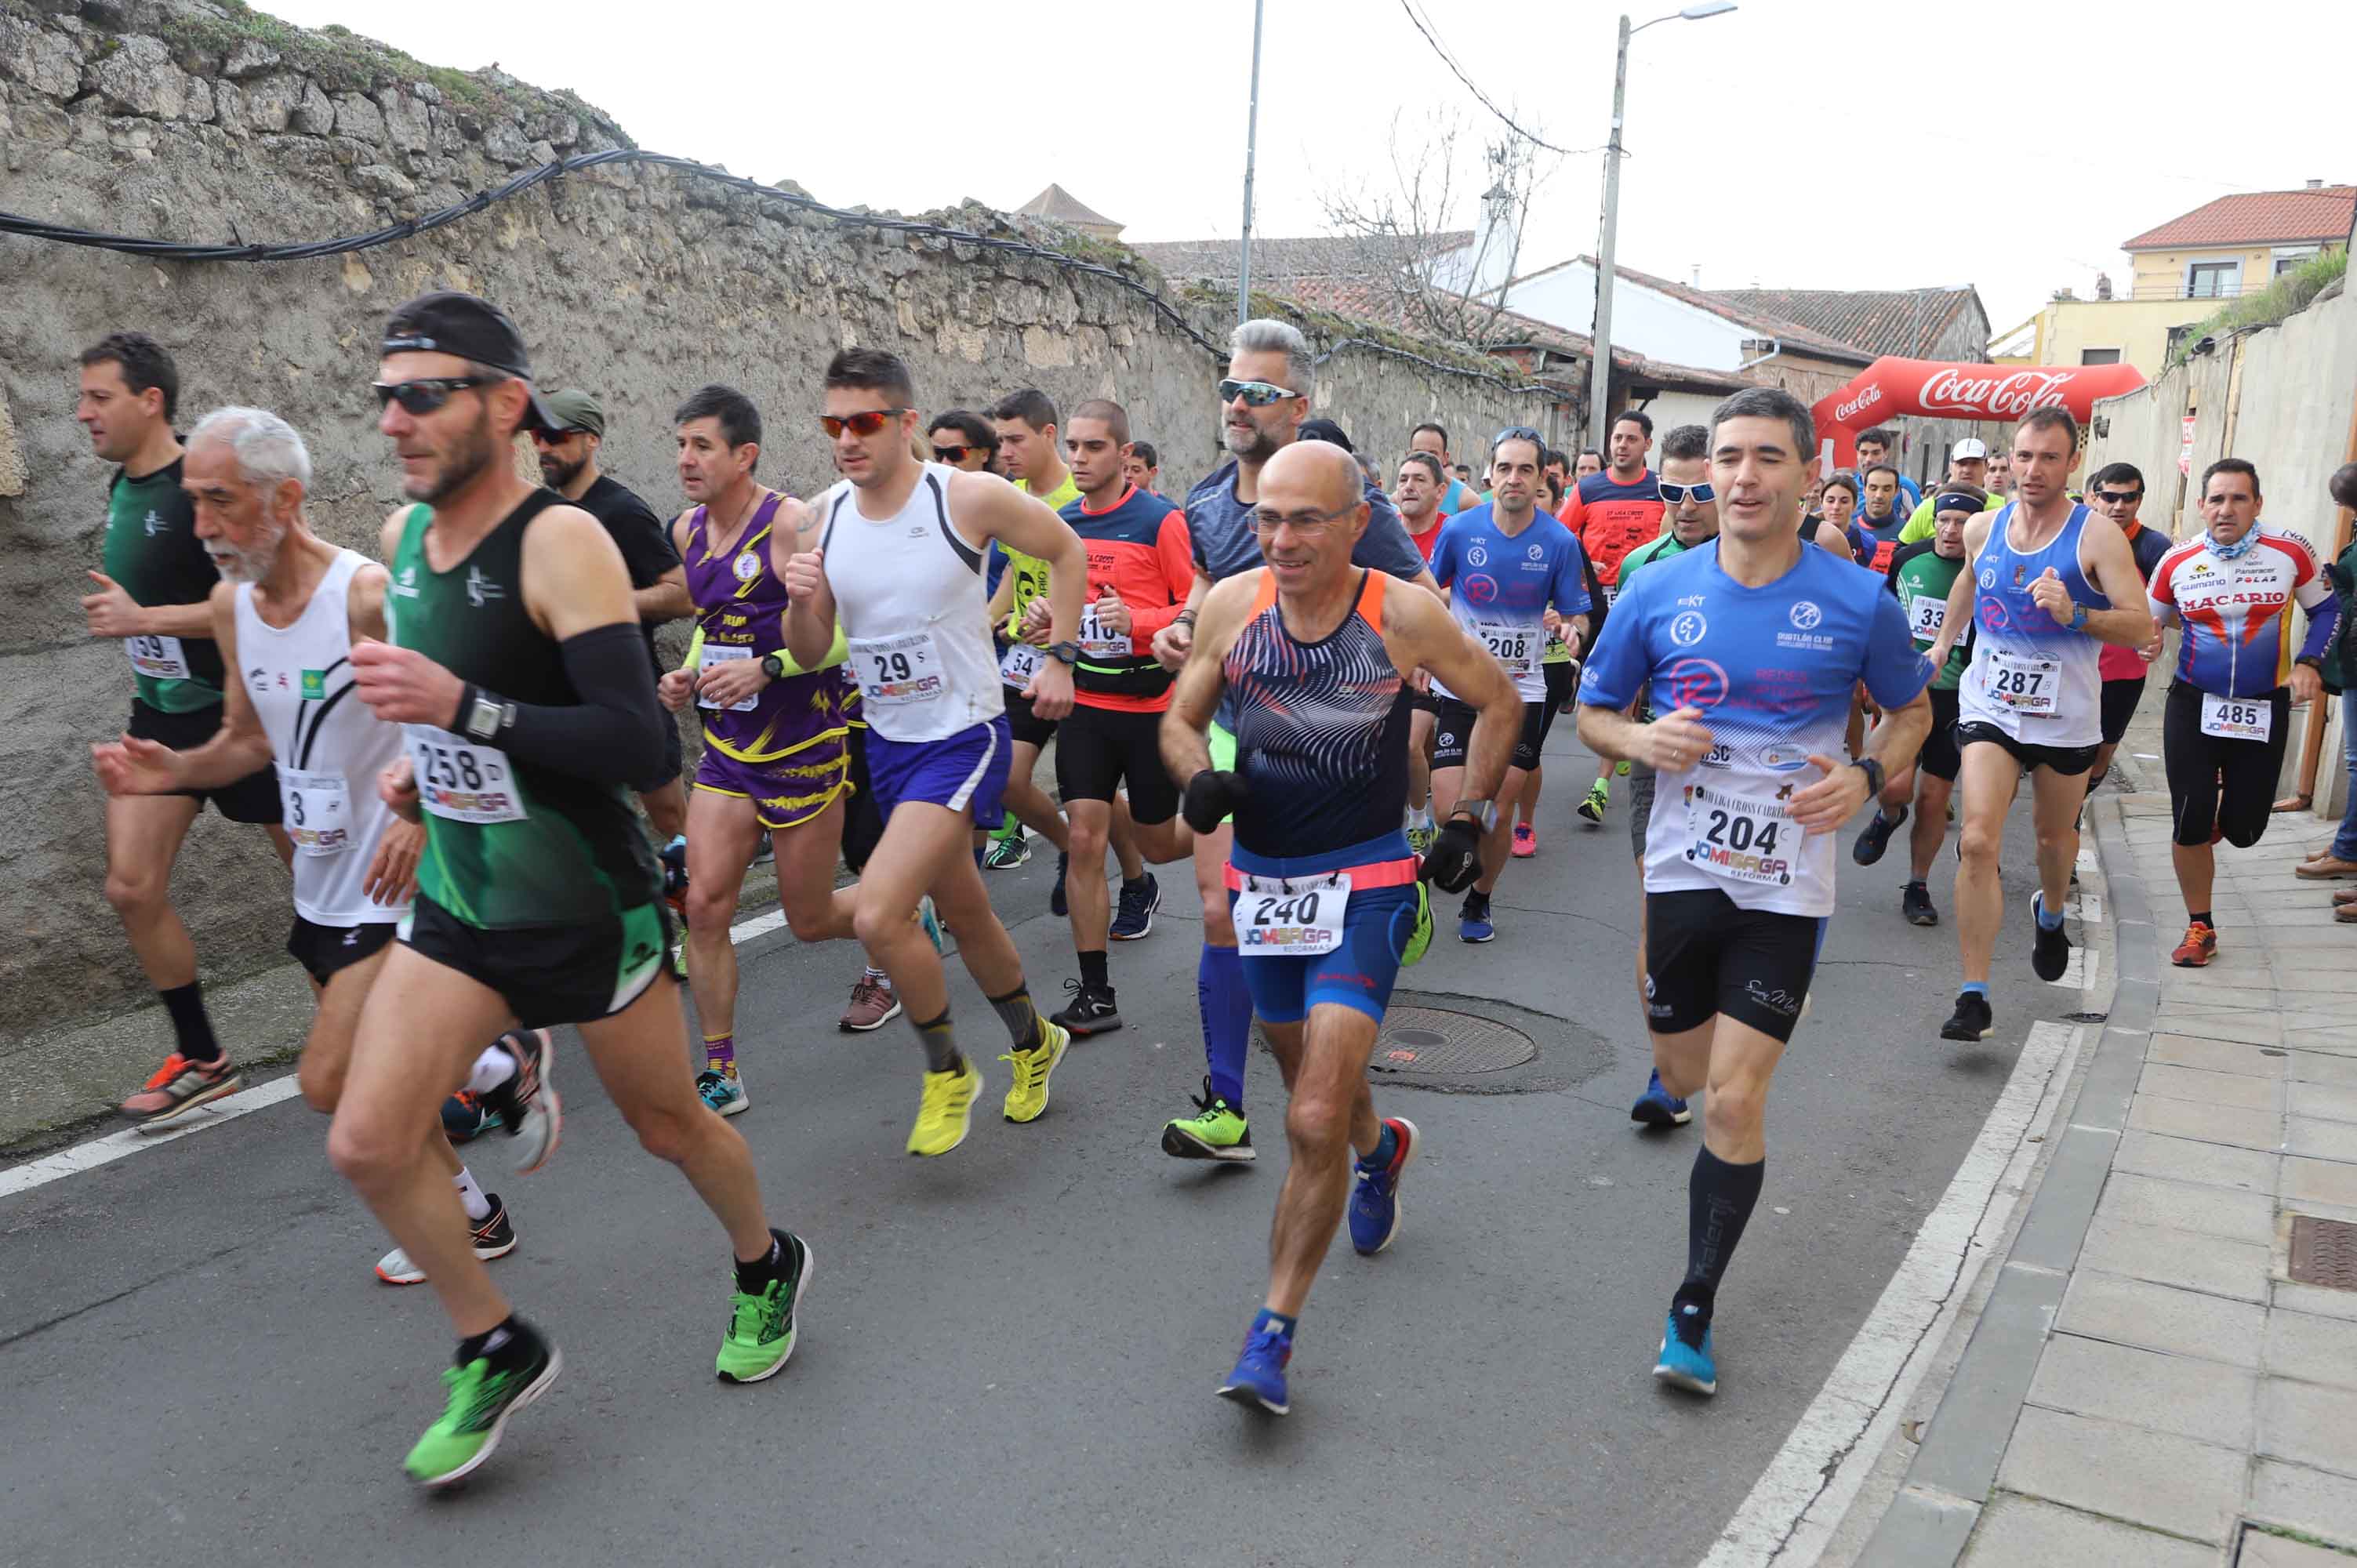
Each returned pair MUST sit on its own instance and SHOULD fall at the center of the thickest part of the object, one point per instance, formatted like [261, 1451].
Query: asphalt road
[1009, 1355]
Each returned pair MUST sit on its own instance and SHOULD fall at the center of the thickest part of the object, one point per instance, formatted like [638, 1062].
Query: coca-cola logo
[1863, 401]
[1994, 397]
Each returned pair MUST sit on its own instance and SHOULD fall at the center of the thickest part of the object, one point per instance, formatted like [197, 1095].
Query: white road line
[1799, 1500]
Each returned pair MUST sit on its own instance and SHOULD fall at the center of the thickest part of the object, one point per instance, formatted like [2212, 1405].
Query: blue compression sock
[2048, 919]
[1227, 1020]
[1974, 988]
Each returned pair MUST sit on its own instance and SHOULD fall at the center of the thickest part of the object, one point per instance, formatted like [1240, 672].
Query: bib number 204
[1744, 835]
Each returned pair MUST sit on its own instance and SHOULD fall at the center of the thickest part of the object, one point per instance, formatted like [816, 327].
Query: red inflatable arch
[1938, 390]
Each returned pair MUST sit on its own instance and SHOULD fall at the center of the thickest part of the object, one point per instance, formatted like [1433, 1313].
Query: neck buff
[2236, 550]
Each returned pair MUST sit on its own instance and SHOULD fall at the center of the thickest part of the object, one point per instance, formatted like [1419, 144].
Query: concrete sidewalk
[2147, 1384]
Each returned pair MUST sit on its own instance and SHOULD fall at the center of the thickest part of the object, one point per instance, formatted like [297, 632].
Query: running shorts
[1098, 749]
[1378, 927]
[2216, 783]
[2120, 699]
[2066, 760]
[324, 950]
[1022, 724]
[1706, 955]
[674, 755]
[549, 975]
[863, 826]
[786, 791]
[1562, 680]
[1940, 757]
[253, 799]
[965, 772]
[1455, 733]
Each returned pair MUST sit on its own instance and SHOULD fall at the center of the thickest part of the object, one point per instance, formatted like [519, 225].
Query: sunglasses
[951, 455]
[866, 421]
[1678, 495]
[552, 437]
[425, 394]
[1518, 433]
[1256, 394]
[2117, 497]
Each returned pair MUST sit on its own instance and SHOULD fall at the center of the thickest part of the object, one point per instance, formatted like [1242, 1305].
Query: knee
[366, 1154]
[134, 891]
[1090, 835]
[667, 1135]
[1978, 843]
[1734, 1109]
[808, 915]
[710, 909]
[876, 926]
[2063, 840]
[1318, 1124]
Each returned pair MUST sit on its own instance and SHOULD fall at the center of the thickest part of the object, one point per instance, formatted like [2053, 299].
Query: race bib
[712, 656]
[1611, 592]
[1022, 663]
[463, 781]
[316, 809]
[2030, 686]
[900, 670]
[1297, 917]
[2237, 718]
[1098, 640]
[157, 657]
[1511, 645]
[1738, 838]
[1927, 617]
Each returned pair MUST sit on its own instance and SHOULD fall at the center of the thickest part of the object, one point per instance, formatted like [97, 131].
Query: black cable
[1457, 71]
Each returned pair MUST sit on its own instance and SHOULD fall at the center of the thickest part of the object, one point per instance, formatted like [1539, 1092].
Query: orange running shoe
[2200, 946]
[178, 1087]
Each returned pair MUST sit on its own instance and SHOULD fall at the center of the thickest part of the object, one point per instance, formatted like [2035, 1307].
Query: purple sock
[720, 1054]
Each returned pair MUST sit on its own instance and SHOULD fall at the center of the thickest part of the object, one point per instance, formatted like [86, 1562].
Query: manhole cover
[2323, 1252]
[1432, 1041]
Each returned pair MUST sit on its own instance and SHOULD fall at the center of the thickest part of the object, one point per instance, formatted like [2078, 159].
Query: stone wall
[212, 123]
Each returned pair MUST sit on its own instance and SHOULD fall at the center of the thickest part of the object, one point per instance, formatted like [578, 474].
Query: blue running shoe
[1684, 1361]
[1258, 1381]
[722, 1093]
[1375, 1201]
[1657, 1107]
[1476, 929]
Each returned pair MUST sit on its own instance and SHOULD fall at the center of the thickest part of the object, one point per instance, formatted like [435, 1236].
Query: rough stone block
[44, 60]
[137, 77]
[357, 117]
[405, 122]
[250, 58]
[314, 114]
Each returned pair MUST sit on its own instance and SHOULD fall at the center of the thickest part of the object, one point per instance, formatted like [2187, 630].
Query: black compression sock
[2201, 917]
[191, 1027]
[1093, 969]
[1719, 1199]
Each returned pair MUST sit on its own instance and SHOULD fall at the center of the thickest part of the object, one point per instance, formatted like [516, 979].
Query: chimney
[2316, 185]
[1697, 275]
[2103, 285]
[1493, 244]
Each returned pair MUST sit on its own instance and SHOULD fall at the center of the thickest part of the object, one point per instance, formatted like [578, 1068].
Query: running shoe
[1135, 917]
[761, 1332]
[1216, 1131]
[481, 1397]
[1657, 1107]
[178, 1087]
[1005, 853]
[1974, 1018]
[2200, 946]
[494, 1238]
[1591, 805]
[465, 1118]
[2049, 950]
[1258, 1381]
[931, 921]
[1091, 1012]
[1419, 839]
[873, 1005]
[678, 960]
[1056, 903]
[1915, 903]
[1028, 1095]
[673, 857]
[945, 1114]
[1473, 924]
[1526, 841]
[1620, 769]
[1684, 1360]
[1374, 1197]
[1876, 838]
[722, 1092]
[530, 1111]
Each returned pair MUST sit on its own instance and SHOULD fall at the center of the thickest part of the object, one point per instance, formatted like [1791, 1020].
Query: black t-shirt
[640, 535]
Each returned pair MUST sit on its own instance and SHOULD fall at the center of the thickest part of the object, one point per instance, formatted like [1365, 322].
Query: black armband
[613, 736]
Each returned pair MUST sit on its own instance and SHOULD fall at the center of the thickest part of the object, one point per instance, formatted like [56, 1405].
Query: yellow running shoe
[946, 1113]
[1028, 1095]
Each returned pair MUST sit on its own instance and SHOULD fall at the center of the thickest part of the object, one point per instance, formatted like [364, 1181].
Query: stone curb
[1929, 1521]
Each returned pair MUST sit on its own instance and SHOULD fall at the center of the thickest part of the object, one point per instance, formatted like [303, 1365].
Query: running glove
[1455, 858]
[1212, 797]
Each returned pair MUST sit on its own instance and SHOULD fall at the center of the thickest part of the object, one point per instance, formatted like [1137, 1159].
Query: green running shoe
[1419, 839]
[1007, 850]
[483, 1397]
[761, 1328]
[1216, 1131]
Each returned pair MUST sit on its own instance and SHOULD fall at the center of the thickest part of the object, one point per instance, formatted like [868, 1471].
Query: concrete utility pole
[1251, 137]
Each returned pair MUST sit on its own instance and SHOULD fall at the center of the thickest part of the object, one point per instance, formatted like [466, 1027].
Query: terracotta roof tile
[2256, 217]
[1904, 321]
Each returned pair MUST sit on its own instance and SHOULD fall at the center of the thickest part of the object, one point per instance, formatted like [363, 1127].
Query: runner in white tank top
[288, 609]
[895, 553]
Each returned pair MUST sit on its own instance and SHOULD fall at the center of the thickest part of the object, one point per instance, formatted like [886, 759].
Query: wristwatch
[1483, 813]
[1066, 652]
[774, 667]
[1873, 770]
[2314, 661]
[2078, 615]
[482, 717]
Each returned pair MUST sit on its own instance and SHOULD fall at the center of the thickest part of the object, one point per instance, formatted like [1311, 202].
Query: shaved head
[1315, 471]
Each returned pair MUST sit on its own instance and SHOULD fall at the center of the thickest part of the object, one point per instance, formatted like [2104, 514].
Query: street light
[1599, 388]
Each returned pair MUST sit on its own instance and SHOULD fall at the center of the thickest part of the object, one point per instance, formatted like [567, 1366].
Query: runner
[1460, 496]
[1264, 398]
[1559, 664]
[1143, 468]
[1321, 875]
[1611, 513]
[2118, 492]
[1880, 446]
[1825, 517]
[1416, 493]
[894, 552]
[2229, 713]
[1968, 467]
[1513, 578]
[1875, 530]
[1752, 646]
[522, 683]
[154, 598]
[1588, 461]
[286, 613]
[1921, 576]
[2039, 591]
[1139, 572]
[962, 438]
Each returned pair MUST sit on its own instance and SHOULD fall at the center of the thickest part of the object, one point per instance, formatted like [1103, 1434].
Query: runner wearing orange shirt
[1611, 514]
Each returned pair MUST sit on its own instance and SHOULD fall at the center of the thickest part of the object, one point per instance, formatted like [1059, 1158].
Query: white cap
[1969, 448]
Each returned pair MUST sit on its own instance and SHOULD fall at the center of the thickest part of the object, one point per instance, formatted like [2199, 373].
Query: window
[2099, 355]
[2287, 258]
[2212, 280]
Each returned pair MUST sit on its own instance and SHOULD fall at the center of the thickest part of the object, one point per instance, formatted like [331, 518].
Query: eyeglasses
[1300, 521]
[1678, 495]
[2118, 498]
[552, 437]
[425, 394]
[866, 421]
[951, 455]
[1256, 394]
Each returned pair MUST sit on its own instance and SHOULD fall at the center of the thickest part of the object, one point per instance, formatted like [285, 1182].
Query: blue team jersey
[1500, 586]
[1772, 670]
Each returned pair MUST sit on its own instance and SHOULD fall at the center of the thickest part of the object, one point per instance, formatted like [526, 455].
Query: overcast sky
[1839, 143]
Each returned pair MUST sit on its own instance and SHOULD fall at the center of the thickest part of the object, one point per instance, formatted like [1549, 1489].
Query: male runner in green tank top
[517, 668]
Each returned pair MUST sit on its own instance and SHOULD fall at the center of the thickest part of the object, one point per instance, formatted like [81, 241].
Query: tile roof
[1880, 321]
[1062, 206]
[2256, 217]
[1786, 331]
[1274, 258]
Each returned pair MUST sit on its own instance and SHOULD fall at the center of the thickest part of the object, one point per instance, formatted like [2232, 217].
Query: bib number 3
[316, 809]
[1299, 916]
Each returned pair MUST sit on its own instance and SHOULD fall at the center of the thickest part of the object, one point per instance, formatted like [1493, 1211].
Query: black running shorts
[1705, 955]
[2120, 700]
[1455, 732]
[324, 950]
[2066, 760]
[2216, 783]
[1940, 757]
[551, 974]
[1022, 724]
[1100, 749]
[253, 799]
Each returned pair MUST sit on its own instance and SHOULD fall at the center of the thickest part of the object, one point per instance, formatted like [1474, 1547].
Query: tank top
[2033, 676]
[740, 608]
[329, 746]
[1322, 729]
[508, 844]
[909, 593]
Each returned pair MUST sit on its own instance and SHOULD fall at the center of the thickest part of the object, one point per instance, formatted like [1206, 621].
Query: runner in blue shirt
[1748, 647]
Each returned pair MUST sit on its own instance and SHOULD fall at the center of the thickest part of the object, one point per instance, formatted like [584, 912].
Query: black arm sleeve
[613, 736]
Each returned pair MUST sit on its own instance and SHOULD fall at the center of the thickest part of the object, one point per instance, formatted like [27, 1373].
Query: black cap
[448, 322]
[1325, 430]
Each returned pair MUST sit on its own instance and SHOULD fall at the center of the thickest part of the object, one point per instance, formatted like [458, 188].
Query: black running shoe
[1091, 1010]
[1973, 1019]
[2050, 951]
[1055, 904]
[1915, 903]
[1876, 836]
[1134, 915]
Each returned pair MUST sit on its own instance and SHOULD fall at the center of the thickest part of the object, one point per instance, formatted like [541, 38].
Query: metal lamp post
[1599, 391]
[1251, 137]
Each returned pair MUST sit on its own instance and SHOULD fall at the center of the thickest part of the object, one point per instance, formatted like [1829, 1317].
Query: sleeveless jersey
[908, 592]
[2032, 676]
[329, 746]
[1500, 586]
[740, 608]
[1322, 729]
[2237, 615]
[508, 844]
[151, 551]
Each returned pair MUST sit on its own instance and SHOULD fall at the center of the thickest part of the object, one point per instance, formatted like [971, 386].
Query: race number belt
[1509, 644]
[1098, 640]
[1301, 917]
